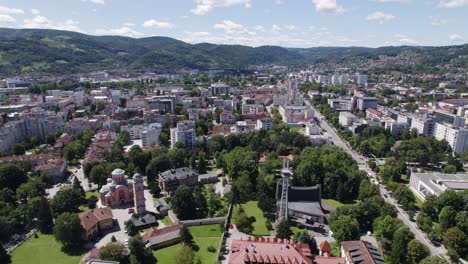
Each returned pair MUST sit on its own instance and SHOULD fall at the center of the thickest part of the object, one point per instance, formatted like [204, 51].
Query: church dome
[118, 172]
[137, 177]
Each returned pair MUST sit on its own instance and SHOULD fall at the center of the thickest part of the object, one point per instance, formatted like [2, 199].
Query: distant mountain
[53, 52]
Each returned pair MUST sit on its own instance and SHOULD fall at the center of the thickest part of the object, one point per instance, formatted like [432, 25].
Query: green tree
[73, 150]
[429, 207]
[140, 252]
[34, 187]
[434, 260]
[283, 230]
[456, 239]
[243, 221]
[67, 199]
[424, 222]
[68, 229]
[404, 196]
[201, 168]
[11, 176]
[462, 221]
[345, 228]
[401, 239]
[304, 237]
[130, 228]
[185, 236]
[44, 216]
[18, 149]
[417, 251]
[447, 218]
[367, 190]
[99, 175]
[114, 251]
[183, 203]
[156, 165]
[450, 198]
[184, 256]
[5, 258]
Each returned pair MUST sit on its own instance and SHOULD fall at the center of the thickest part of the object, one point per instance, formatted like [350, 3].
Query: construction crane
[285, 174]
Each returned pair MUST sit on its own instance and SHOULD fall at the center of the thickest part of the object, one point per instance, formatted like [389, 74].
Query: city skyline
[286, 23]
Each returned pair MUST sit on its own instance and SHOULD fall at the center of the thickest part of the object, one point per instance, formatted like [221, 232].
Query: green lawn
[296, 229]
[251, 209]
[167, 221]
[418, 202]
[43, 250]
[95, 193]
[336, 204]
[203, 237]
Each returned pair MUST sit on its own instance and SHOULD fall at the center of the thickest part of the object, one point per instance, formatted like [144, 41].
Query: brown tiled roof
[153, 232]
[325, 247]
[93, 217]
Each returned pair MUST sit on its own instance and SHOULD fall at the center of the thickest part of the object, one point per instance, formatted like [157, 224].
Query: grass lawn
[296, 229]
[167, 221]
[251, 209]
[336, 204]
[418, 202]
[89, 194]
[43, 250]
[203, 237]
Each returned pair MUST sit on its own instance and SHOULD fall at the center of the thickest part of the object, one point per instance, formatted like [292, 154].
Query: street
[362, 161]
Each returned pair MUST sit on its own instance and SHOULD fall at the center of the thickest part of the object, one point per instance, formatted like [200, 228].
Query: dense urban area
[360, 160]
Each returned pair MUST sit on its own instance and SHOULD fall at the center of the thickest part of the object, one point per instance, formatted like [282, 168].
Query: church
[120, 190]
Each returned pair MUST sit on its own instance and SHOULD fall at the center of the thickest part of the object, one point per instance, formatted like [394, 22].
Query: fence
[205, 221]
[26, 237]
[225, 233]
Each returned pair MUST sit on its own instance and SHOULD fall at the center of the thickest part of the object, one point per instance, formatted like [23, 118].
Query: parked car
[131, 210]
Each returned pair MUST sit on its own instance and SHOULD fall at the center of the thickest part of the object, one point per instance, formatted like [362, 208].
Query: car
[125, 232]
[131, 210]
[386, 196]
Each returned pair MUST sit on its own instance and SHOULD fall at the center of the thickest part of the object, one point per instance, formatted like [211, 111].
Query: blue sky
[289, 23]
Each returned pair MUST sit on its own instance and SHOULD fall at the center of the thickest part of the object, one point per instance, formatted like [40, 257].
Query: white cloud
[394, 1]
[230, 27]
[10, 11]
[408, 41]
[328, 6]
[203, 7]
[35, 11]
[7, 19]
[436, 21]
[157, 24]
[123, 31]
[290, 27]
[456, 38]
[275, 29]
[452, 3]
[128, 24]
[43, 22]
[98, 2]
[279, 2]
[380, 17]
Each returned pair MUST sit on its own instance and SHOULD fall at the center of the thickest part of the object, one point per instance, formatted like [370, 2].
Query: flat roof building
[424, 184]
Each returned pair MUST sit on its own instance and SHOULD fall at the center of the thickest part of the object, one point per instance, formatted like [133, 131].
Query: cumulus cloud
[394, 1]
[157, 24]
[275, 29]
[408, 41]
[456, 38]
[43, 22]
[203, 7]
[230, 27]
[452, 3]
[7, 19]
[380, 17]
[35, 11]
[328, 6]
[10, 11]
[123, 31]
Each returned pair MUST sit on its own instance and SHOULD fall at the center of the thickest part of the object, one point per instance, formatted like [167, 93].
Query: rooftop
[439, 182]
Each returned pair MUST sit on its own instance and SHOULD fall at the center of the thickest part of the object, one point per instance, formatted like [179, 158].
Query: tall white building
[424, 125]
[184, 132]
[361, 79]
[457, 138]
[343, 79]
[265, 123]
[150, 136]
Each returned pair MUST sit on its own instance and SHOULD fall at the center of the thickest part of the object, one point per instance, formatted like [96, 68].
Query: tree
[401, 239]
[404, 196]
[184, 256]
[77, 185]
[429, 207]
[462, 221]
[183, 203]
[44, 216]
[417, 251]
[456, 239]
[283, 230]
[114, 251]
[424, 222]
[130, 228]
[367, 190]
[67, 199]
[156, 165]
[434, 260]
[200, 202]
[138, 250]
[34, 187]
[450, 198]
[4, 256]
[11, 176]
[345, 228]
[73, 150]
[447, 218]
[50, 139]
[304, 237]
[92, 202]
[453, 255]
[18, 149]
[243, 221]
[201, 168]
[68, 229]
[185, 236]
[98, 175]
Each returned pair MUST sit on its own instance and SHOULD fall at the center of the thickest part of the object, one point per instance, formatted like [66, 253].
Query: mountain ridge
[56, 52]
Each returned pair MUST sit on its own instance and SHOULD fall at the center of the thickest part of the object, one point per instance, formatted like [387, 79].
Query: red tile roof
[93, 217]
[161, 231]
[269, 250]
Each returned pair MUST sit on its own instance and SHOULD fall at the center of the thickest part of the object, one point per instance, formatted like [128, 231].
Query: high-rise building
[361, 79]
[424, 125]
[184, 132]
[456, 137]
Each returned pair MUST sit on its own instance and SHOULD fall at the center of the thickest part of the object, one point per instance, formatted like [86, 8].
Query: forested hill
[38, 51]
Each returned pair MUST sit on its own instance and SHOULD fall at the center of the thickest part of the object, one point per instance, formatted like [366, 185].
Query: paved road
[362, 161]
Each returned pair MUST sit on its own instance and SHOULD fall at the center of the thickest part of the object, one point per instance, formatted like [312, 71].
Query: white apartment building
[184, 132]
[220, 89]
[423, 124]
[265, 123]
[346, 119]
[457, 138]
[150, 136]
[367, 102]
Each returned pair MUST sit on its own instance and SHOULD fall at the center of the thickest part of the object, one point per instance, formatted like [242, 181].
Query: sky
[287, 23]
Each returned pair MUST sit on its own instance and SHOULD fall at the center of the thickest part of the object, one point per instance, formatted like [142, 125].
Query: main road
[362, 161]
